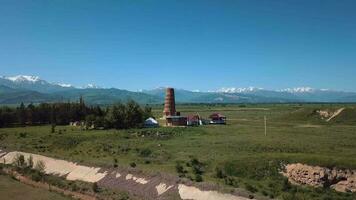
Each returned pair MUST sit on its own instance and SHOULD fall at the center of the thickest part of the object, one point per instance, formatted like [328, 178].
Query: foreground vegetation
[12, 189]
[236, 155]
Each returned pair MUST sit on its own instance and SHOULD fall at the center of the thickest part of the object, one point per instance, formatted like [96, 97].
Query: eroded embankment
[340, 180]
[147, 187]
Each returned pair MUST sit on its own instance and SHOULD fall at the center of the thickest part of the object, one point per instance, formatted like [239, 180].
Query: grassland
[235, 155]
[12, 189]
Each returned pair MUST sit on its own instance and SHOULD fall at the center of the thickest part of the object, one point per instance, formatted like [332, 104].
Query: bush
[74, 187]
[30, 162]
[179, 168]
[219, 173]
[198, 178]
[286, 185]
[53, 128]
[19, 161]
[95, 187]
[133, 165]
[23, 135]
[198, 167]
[36, 176]
[40, 167]
[145, 152]
[231, 181]
[251, 188]
[115, 163]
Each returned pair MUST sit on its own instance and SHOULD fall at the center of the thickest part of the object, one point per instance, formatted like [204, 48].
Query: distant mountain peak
[299, 90]
[91, 86]
[65, 85]
[23, 78]
[238, 90]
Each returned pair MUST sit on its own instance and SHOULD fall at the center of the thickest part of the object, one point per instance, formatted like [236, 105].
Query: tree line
[119, 115]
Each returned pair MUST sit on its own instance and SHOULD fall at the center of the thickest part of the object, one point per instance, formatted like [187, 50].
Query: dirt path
[338, 112]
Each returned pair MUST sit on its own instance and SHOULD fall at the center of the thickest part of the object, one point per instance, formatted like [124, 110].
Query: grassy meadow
[12, 189]
[234, 155]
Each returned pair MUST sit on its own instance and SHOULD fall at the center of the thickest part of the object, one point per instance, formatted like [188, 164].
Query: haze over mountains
[32, 89]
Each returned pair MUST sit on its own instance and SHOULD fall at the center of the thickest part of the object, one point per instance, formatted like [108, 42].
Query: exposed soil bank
[337, 179]
[148, 187]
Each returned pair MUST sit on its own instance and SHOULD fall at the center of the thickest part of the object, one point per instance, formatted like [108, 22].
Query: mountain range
[32, 89]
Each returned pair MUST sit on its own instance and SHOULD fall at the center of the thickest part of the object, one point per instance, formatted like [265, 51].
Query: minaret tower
[169, 103]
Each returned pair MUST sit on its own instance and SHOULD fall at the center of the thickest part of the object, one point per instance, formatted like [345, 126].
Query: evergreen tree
[21, 113]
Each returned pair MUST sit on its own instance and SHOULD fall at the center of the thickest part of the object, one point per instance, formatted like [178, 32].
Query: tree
[95, 187]
[19, 161]
[40, 166]
[147, 112]
[30, 162]
[31, 114]
[21, 114]
[53, 128]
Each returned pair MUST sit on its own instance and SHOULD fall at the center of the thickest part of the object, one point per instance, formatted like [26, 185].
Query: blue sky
[191, 44]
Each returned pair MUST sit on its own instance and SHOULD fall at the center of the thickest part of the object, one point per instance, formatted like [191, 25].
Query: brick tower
[169, 103]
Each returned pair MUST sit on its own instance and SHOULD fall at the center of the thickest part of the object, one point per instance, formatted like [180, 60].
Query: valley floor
[237, 156]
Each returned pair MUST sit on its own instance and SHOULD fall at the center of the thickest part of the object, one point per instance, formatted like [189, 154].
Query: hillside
[323, 115]
[108, 96]
[27, 89]
[16, 96]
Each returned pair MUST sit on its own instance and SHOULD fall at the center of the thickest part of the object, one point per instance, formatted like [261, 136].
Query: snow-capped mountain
[256, 89]
[65, 85]
[307, 94]
[33, 83]
[238, 90]
[299, 90]
[34, 89]
[23, 78]
[90, 86]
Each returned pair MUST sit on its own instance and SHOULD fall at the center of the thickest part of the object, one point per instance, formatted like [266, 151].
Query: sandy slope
[155, 187]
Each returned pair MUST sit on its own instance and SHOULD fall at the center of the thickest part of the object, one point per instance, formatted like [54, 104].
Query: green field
[239, 151]
[14, 190]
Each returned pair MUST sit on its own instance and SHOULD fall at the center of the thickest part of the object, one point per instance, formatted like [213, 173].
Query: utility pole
[265, 126]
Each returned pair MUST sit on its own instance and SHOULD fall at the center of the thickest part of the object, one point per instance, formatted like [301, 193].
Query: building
[217, 118]
[194, 120]
[169, 103]
[176, 121]
[150, 123]
[170, 114]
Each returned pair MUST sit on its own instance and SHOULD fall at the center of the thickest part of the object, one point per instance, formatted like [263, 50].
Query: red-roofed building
[193, 120]
[217, 118]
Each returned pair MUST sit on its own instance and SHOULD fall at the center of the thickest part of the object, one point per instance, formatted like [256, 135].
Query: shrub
[133, 165]
[74, 187]
[115, 163]
[30, 161]
[198, 178]
[36, 176]
[231, 181]
[286, 185]
[40, 167]
[145, 152]
[198, 167]
[179, 168]
[53, 128]
[219, 173]
[95, 187]
[251, 188]
[23, 135]
[19, 161]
